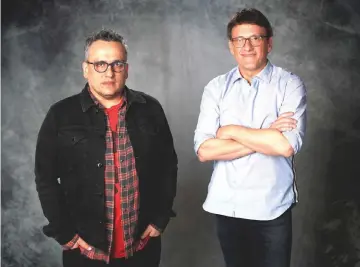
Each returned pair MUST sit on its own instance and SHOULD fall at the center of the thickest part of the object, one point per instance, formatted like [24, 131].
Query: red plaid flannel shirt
[129, 192]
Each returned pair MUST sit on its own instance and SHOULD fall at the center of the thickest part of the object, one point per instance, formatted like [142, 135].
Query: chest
[255, 106]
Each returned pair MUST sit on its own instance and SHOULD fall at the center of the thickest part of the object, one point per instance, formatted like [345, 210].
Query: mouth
[247, 55]
[108, 83]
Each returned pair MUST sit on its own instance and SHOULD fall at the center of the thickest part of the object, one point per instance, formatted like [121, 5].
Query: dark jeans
[251, 243]
[149, 256]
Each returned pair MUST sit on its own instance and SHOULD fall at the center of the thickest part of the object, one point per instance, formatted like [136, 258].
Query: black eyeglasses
[254, 40]
[102, 66]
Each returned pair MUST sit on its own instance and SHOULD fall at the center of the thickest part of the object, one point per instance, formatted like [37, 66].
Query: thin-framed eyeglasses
[255, 40]
[102, 66]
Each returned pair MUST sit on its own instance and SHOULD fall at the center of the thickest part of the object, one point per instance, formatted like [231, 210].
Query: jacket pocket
[72, 135]
[73, 145]
[148, 128]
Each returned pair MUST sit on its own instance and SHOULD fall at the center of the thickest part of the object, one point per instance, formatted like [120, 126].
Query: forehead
[247, 30]
[103, 50]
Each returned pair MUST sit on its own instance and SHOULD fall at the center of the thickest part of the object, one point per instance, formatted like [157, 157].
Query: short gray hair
[104, 35]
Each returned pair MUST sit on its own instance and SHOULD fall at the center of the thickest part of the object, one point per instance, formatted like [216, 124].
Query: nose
[109, 72]
[247, 46]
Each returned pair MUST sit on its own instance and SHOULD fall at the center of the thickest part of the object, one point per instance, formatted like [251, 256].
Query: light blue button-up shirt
[257, 186]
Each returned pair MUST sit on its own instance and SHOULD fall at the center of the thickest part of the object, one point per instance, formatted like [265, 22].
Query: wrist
[236, 132]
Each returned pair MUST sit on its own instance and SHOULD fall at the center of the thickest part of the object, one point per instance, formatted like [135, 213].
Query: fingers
[83, 244]
[150, 231]
[285, 122]
[284, 127]
[286, 114]
[146, 232]
[154, 232]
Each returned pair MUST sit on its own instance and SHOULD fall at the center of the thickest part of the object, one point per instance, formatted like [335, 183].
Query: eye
[255, 38]
[118, 63]
[100, 64]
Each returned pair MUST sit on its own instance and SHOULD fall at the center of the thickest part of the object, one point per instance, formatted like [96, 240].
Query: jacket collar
[131, 96]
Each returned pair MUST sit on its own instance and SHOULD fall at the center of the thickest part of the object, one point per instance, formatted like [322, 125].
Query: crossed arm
[282, 138]
[235, 141]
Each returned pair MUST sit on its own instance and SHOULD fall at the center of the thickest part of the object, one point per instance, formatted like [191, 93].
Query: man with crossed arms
[251, 124]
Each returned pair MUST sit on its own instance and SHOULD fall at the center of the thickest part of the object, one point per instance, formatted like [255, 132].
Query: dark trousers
[149, 256]
[251, 243]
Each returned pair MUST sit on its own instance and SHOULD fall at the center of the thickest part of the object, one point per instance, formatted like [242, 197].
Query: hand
[150, 231]
[284, 122]
[224, 132]
[82, 245]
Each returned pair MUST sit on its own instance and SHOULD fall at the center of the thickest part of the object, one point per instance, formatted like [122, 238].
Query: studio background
[175, 48]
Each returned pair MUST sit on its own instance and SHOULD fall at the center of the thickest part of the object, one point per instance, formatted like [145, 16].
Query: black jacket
[69, 166]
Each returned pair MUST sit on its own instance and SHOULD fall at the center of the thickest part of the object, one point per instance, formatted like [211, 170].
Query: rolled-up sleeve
[295, 101]
[209, 117]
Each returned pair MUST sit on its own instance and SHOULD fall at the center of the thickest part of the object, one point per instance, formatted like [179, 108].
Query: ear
[126, 70]
[85, 68]
[270, 44]
[231, 48]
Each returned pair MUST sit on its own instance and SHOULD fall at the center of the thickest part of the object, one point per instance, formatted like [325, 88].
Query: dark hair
[249, 16]
[104, 35]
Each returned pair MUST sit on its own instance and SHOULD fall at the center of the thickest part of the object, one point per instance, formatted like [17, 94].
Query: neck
[108, 102]
[249, 74]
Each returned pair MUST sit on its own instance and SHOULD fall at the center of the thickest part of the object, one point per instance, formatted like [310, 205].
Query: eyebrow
[240, 36]
[102, 60]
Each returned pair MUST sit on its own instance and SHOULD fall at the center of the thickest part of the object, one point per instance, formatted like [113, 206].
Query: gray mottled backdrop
[175, 48]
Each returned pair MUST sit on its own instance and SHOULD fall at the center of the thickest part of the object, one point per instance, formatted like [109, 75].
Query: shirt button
[99, 165]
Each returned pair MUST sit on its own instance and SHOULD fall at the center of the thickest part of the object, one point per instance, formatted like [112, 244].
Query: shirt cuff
[71, 243]
[294, 139]
[200, 140]
[157, 228]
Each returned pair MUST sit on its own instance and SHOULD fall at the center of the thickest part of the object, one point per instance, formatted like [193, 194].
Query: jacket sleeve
[169, 174]
[51, 195]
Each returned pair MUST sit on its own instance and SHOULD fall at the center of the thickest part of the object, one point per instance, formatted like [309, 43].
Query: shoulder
[285, 76]
[218, 85]
[222, 79]
[67, 102]
[288, 82]
[146, 101]
[144, 97]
